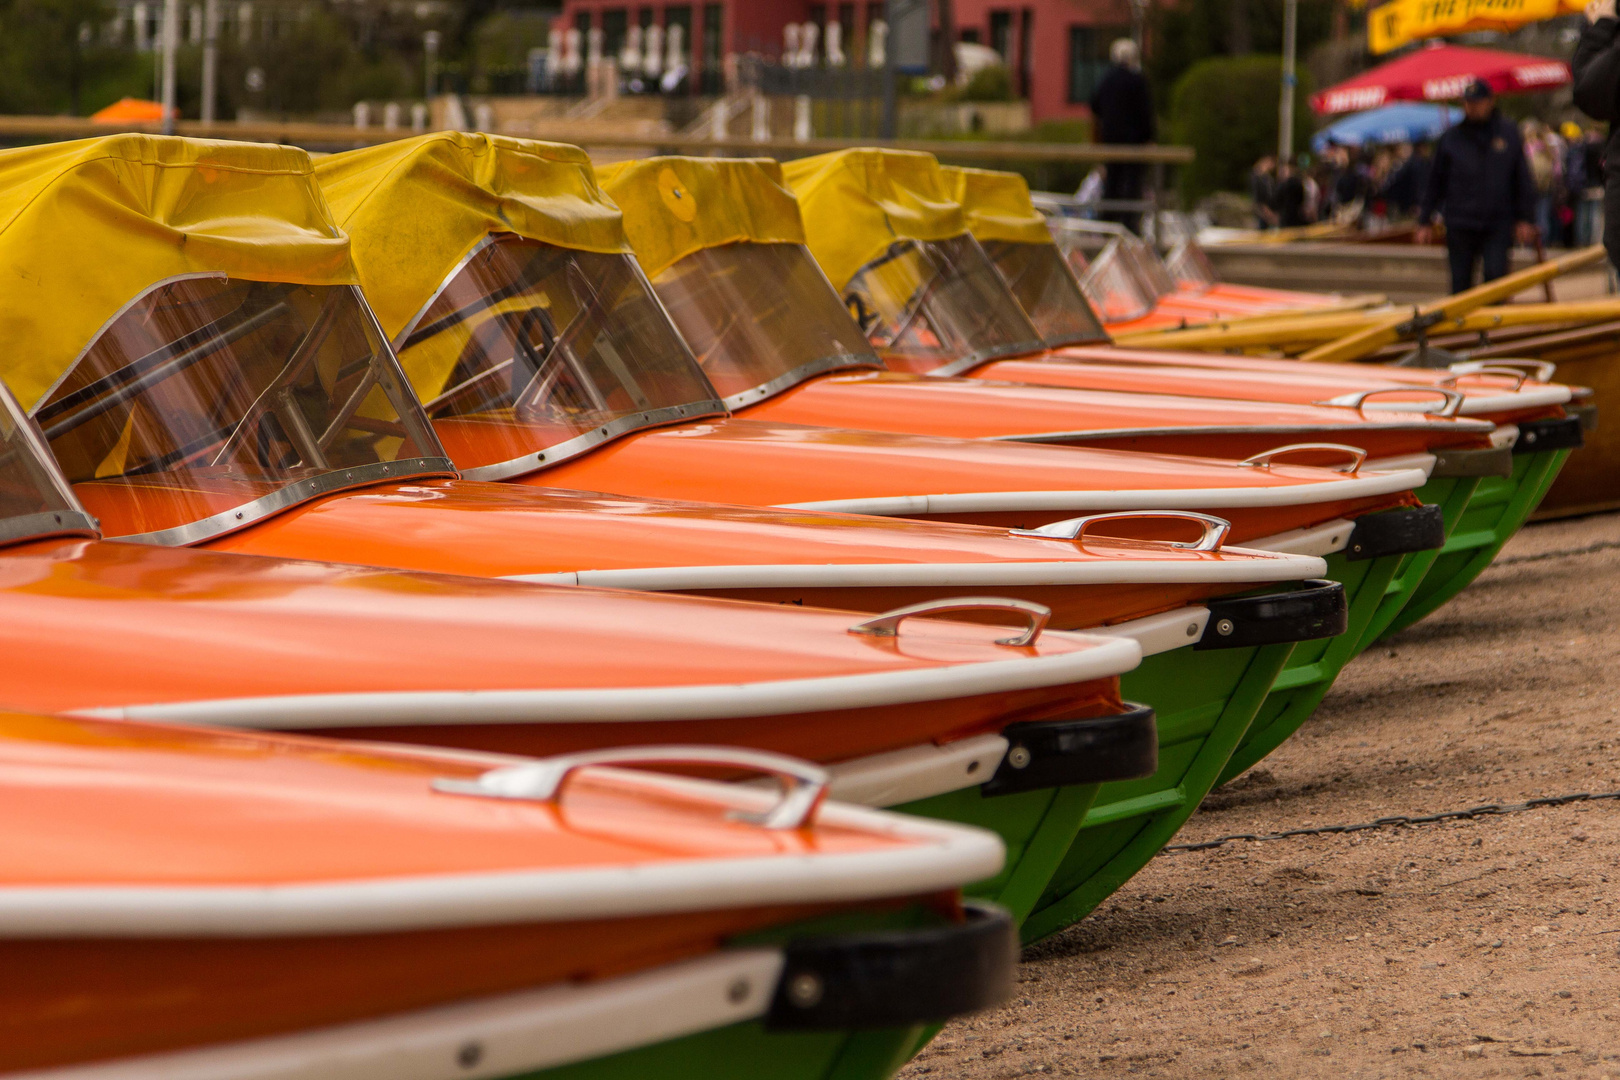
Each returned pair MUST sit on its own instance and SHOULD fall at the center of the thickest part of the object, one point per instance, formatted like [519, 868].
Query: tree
[1188, 31]
[1226, 110]
[51, 47]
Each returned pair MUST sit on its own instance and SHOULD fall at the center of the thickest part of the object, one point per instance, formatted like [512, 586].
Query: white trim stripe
[1101, 658]
[1366, 485]
[1110, 571]
[514, 1034]
[939, 856]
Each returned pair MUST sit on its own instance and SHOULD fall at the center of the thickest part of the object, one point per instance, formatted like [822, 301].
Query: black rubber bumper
[1059, 753]
[1397, 532]
[1562, 433]
[895, 978]
[1318, 610]
[1488, 461]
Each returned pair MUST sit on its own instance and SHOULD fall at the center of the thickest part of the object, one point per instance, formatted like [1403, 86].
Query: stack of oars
[1581, 337]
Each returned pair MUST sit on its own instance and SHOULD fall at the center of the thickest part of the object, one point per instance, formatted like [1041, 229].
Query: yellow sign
[1395, 24]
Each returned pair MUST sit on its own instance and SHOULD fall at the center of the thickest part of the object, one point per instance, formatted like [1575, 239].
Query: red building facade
[1055, 49]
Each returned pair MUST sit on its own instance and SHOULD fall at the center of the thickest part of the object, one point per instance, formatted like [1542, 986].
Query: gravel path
[1475, 948]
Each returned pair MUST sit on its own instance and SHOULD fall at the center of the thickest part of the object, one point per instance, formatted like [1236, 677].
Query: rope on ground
[1487, 810]
[1562, 553]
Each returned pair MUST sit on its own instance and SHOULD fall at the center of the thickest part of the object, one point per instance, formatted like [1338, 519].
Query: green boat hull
[1452, 494]
[1205, 701]
[1499, 508]
[748, 1052]
[1036, 826]
[1313, 666]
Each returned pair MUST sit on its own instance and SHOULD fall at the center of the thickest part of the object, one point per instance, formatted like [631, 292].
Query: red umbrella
[1439, 73]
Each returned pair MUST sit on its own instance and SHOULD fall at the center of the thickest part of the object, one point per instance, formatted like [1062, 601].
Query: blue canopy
[1407, 121]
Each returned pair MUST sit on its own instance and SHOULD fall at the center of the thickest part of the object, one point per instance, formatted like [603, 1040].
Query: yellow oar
[1393, 328]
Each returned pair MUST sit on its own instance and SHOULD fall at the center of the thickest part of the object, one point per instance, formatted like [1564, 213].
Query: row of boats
[472, 614]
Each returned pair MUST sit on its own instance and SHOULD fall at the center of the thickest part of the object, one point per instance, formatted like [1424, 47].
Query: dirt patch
[1478, 948]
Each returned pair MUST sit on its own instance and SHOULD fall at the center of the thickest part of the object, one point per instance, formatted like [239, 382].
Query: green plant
[1226, 110]
[989, 84]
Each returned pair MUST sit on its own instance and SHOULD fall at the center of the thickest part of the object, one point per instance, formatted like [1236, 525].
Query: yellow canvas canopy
[997, 205]
[1401, 22]
[856, 203]
[675, 206]
[155, 208]
[406, 202]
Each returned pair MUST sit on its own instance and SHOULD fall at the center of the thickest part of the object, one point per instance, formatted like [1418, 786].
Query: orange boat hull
[170, 623]
[974, 408]
[767, 464]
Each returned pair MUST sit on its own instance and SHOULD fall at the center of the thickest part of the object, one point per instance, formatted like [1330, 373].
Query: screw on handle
[804, 785]
[1266, 458]
[888, 624]
[1539, 370]
[1214, 535]
[1359, 399]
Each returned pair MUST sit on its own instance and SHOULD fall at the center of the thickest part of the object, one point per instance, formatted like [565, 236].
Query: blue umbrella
[1407, 121]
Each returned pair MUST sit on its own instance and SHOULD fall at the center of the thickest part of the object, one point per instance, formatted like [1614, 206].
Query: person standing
[1479, 183]
[1263, 192]
[1122, 113]
[1597, 93]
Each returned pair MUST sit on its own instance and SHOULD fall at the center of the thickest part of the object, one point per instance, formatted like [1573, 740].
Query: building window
[1001, 38]
[1088, 58]
[615, 22]
[970, 35]
[712, 76]
[1026, 49]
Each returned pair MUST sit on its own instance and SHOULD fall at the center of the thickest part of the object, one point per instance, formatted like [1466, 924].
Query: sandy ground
[1481, 948]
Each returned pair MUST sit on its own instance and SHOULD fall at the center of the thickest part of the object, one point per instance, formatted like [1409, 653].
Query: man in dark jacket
[1480, 183]
[1597, 93]
[1122, 112]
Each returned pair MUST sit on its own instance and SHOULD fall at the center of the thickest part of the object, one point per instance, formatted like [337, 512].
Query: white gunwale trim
[1166, 631]
[1319, 540]
[1505, 435]
[1102, 657]
[1074, 571]
[1425, 462]
[1366, 485]
[917, 772]
[514, 1034]
[1293, 432]
[938, 856]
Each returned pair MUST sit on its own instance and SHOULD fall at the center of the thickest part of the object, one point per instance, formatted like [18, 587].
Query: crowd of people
[1377, 187]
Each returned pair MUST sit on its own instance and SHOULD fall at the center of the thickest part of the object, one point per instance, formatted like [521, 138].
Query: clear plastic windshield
[938, 306]
[760, 318]
[211, 403]
[34, 500]
[1113, 288]
[1047, 291]
[533, 353]
[1190, 266]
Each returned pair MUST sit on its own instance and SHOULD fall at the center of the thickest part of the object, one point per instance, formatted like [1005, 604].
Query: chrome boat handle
[1358, 400]
[1215, 529]
[1520, 376]
[1266, 458]
[804, 785]
[1539, 370]
[888, 624]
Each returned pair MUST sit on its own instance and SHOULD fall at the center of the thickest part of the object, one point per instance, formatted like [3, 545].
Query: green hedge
[1226, 110]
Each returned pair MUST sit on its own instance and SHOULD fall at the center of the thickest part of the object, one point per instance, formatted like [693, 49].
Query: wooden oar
[1393, 328]
[1300, 332]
